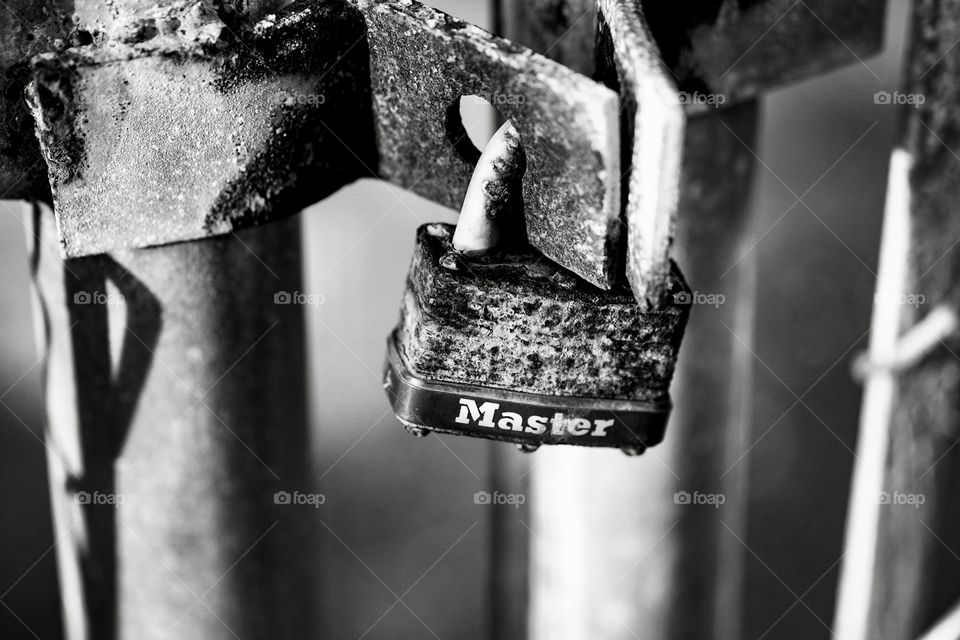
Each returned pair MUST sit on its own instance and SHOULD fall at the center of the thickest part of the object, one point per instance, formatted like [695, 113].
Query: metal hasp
[423, 61]
[652, 131]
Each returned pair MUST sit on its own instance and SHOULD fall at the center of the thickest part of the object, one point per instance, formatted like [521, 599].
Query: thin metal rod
[900, 572]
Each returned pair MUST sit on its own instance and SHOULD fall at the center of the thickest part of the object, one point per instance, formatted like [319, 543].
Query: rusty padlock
[496, 341]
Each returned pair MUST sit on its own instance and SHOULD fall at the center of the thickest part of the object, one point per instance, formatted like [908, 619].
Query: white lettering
[511, 421]
[469, 408]
[536, 424]
[602, 425]
[488, 415]
[578, 426]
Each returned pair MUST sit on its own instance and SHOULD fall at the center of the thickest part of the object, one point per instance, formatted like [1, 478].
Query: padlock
[496, 341]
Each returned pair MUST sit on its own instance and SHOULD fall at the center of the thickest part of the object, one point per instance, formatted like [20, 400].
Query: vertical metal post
[612, 554]
[509, 546]
[176, 410]
[612, 541]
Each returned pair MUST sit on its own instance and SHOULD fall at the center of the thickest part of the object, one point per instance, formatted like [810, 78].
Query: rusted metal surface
[471, 293]
[175, 410]
[901, 572]
[27, 28]
[183, 127]
[423, 62]
[652, 133]
[174, 381]
[507, 322]
[738, 49]
[563, 30]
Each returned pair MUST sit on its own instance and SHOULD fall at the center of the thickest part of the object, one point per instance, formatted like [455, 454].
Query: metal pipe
[613, 555]
[176, 412]
[617, 552]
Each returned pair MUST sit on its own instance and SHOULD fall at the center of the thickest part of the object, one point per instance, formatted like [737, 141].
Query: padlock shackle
[494, 197]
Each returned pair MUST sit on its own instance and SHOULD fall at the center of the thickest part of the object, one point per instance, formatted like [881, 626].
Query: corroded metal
[27, 28]
[563, 30]
[652, 133]
[499, 329]
[730, 47]
[172, 394]
[423, 62]
[184, 127]
[738, 49]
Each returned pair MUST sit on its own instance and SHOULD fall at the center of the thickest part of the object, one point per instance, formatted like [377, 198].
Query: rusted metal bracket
[27, 28]
[306, 74]
[653, 125]
[181, 127]
[353, 92]
[423, 62]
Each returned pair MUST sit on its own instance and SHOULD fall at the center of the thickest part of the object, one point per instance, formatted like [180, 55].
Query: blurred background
[410, 500]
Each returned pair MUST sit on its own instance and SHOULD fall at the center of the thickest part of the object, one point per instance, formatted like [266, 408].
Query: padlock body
[514, 348]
